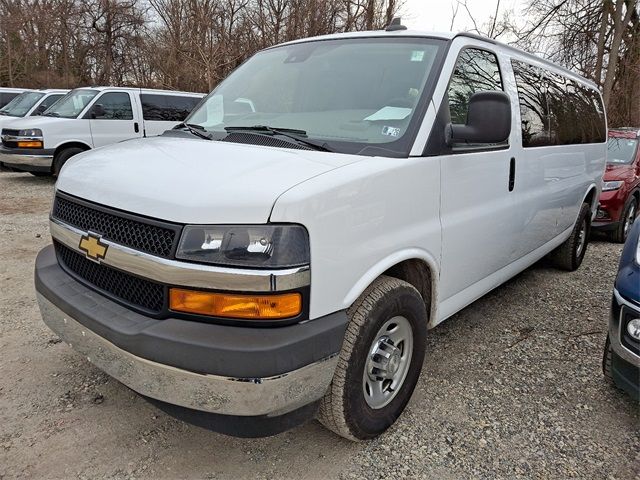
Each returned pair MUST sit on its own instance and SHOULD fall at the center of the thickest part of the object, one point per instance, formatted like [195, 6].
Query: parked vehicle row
[8, 94]
[284, 252]
[30, 103]
[87, 118]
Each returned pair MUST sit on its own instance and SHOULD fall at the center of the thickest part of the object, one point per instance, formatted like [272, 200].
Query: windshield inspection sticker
[417, 55]
[391, 131]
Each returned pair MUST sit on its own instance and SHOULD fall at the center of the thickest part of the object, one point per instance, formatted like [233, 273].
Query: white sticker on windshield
[391, 131]
[389, 113]
[417, 55]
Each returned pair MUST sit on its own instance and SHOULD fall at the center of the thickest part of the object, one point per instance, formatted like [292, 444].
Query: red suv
[620, 197]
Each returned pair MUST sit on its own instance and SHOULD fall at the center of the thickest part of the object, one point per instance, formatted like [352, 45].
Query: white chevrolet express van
[285, 255]
[29, 103]
[88, 118]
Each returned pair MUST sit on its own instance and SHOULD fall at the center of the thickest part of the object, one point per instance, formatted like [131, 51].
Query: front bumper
[625, 362]
[221, 369]
[27, 160]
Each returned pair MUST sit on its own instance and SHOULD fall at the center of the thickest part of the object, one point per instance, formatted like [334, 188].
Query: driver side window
[116, 105]
[475, 71]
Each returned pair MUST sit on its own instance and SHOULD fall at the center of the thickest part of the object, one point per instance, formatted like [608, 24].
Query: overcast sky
[436, 14]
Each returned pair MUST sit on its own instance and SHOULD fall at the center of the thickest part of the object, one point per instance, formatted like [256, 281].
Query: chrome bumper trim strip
[173, 272]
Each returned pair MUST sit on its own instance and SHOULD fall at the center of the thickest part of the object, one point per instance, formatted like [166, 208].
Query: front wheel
[570, 254]
[380, 360]
[62, 157]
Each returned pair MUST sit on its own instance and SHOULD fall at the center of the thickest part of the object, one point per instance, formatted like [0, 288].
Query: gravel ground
[512, 387]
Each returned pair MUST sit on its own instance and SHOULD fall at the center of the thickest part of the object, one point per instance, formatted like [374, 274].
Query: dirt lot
[512, 387]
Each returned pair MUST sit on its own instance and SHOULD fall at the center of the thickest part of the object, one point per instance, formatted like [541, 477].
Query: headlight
[633, 328]
[615, 185]
[252, 246]
[30, 132]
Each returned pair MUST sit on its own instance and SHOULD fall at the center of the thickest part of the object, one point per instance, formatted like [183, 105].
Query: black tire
[62, 157]
[570, 254]
[627, 218]
[606, 361]
[40, 174]
[344, 408]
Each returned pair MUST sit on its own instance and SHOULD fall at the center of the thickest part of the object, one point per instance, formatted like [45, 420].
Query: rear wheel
[62, 157]
[626, 221]
[570, 254]
[380, 360]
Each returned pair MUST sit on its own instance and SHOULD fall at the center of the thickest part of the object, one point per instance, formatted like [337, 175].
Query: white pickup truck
[88, 118]
[285, 251]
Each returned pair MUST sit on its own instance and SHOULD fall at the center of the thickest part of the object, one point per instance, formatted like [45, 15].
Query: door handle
[136, 128]
[512, 174]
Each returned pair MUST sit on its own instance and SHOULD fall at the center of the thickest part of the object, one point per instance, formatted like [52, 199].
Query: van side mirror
[488, 120]
[97, 111]
[39, 110]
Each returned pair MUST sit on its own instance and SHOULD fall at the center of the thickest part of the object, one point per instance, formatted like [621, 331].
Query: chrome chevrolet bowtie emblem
[93, 247]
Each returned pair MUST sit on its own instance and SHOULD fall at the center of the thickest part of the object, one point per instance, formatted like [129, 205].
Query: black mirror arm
[461, 133]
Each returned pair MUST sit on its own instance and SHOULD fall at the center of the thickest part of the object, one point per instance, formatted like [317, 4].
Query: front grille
[12, 133]
[137, 292]
[154, 237]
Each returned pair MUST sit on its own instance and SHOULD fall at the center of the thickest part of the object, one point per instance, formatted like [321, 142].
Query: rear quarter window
[167, 108]
[556, 110]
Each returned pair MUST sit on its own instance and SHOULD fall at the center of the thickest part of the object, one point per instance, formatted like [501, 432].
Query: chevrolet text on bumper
[282, 254]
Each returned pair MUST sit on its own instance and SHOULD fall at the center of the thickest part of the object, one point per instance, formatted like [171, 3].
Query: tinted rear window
[168, 108]
[556, 110]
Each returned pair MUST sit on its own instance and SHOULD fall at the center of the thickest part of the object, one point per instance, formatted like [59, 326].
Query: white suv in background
[29, 103]
[88, 118]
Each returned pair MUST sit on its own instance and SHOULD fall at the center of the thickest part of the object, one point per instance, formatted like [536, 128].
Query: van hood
[21, 123]
[193, 180]
[5, 120]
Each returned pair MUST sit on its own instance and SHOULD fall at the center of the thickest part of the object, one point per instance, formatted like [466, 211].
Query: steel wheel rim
[582, 238]
[631, 216]
[388, 361]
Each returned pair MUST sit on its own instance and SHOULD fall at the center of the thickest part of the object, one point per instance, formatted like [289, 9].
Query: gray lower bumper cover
[209, 393]
[66, 306]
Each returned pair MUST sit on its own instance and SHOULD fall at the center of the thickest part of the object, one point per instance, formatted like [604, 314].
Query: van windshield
[348, 93]
[621, 151]
[71, 104]
[20, 105]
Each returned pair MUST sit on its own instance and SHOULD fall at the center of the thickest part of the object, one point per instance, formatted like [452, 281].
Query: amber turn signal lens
[249, 307]
[29, 144]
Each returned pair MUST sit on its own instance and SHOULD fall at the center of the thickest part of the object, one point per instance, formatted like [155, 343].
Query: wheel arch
[591, 197]
[415, 266]
[72, 144]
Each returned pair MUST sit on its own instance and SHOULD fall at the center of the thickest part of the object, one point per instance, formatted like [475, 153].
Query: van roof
[14, 89]
[141, 90]
[51, 90]
[444, 36]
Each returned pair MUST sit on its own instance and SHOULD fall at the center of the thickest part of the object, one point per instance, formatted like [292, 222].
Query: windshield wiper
[292, 133]
[51, 114]
[197, 130]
